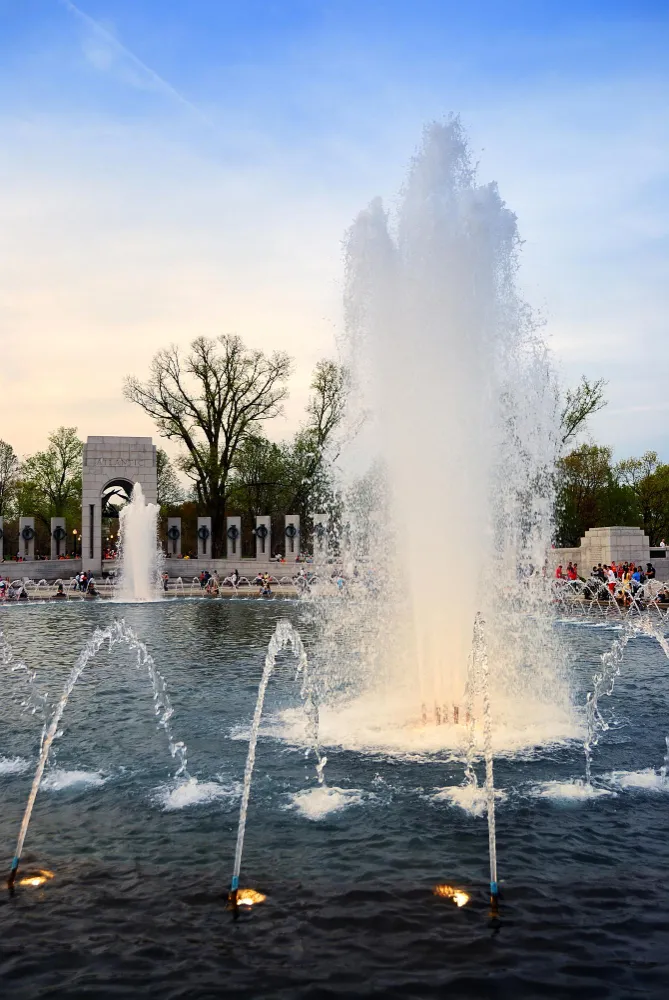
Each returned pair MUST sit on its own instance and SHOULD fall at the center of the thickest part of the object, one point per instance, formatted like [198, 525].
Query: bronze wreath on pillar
[203, 533]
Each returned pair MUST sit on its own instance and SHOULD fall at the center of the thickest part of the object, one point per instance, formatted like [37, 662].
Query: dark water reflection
[136, 908]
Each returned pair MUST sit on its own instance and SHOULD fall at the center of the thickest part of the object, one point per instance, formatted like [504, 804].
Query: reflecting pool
[138, 862]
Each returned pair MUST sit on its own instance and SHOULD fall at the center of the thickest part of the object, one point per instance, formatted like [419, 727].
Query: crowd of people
[16, 590]
[38, 557]
[623, 580]
[212, 584]
[627, 573]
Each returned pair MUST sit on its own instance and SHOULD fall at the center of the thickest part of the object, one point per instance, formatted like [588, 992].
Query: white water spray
[603, 683]
[464, 430]
[113, 634]
[284, 635]
[140, 557]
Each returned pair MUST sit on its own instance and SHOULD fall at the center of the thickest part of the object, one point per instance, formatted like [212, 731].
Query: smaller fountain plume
[141, 559]
[284, 635]
[603, 683]
[481, 662]
[113, 634]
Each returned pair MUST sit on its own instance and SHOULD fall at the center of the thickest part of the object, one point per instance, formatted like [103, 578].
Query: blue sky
[169, 169]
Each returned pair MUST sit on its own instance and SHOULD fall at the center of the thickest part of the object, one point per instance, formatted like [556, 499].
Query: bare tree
[308, 459]
[580, 403]
[9, 472]
[330, 387]
[209, 400]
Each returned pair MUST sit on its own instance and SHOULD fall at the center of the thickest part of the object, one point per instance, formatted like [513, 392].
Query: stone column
[204, 538]
[91, 532]
[2, 538]
[320, 537]
[58, 537]
[263, 532]
[27, 537]
[619, 543]
[292, 533]
[174, 536]
[233, 537]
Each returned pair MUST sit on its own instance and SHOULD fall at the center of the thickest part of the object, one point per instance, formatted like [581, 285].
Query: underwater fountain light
[249, 897]
[459, 896]
[40, 877]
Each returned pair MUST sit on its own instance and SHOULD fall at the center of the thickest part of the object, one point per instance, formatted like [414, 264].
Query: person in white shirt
[611, 577]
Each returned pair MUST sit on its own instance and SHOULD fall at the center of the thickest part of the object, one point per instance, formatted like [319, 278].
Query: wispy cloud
[106, 53]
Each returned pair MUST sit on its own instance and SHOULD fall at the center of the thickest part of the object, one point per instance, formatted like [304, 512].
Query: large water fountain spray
[464, 429]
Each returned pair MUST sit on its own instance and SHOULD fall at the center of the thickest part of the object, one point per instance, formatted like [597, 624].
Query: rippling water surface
[142, 864]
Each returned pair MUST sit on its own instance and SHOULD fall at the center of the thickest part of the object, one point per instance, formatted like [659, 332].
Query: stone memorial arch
[112, 466]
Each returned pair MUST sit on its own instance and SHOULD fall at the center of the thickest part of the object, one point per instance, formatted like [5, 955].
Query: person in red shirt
[558, 573]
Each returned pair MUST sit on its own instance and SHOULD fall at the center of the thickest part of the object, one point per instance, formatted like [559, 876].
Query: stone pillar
[58, 537]
[233, 537]
[320, 537]
[27, 537]
[204, 538]
[618, 543]
[263, 531]
[174, 536]
[91, 532]
[2, 538]
[292, 532]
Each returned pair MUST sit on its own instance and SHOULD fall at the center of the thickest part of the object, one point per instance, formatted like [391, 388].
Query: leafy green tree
[589, 495]
[170, 490]
[50, 481]
[260, 479]
[9, 476]
[648, 479]
[579, 404]
[210, 400]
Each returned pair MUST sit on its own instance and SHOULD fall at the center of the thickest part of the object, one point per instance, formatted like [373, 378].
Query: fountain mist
[140, 557]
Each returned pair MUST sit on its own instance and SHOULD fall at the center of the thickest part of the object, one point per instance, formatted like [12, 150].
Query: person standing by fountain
[611, 577]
